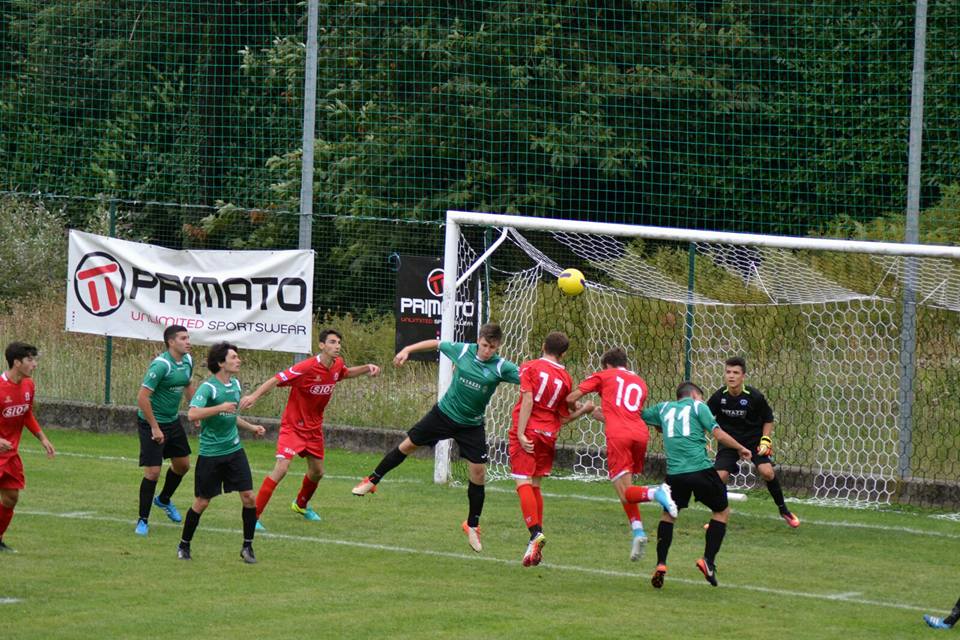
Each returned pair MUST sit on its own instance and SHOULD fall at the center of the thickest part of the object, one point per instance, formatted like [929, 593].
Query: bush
[33, 249]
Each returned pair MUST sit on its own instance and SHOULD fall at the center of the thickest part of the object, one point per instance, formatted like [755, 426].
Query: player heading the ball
[459, 415]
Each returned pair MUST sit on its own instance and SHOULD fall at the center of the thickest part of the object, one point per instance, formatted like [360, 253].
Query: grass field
[396, 565]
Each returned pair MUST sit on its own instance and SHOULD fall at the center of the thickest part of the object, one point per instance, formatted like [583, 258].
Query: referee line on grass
[848, 597]
[566, 496]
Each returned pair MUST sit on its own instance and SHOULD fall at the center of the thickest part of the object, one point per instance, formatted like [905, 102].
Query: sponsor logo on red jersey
[16, 410]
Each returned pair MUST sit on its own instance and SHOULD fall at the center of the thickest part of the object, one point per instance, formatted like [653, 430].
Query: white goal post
[622, 263]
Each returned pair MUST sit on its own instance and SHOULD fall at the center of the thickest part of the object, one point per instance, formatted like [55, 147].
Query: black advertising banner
[419, 299]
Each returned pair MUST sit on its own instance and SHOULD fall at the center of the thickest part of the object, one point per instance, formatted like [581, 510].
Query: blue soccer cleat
[169, 509]
[936, 623]
[664, 496]
[307, 512]
[260, 527]
[142, 528]
[639, 544]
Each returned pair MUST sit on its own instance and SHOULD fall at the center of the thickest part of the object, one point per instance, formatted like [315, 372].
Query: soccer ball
[571, 282]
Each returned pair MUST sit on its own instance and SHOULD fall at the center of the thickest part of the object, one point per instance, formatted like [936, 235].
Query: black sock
[773, 486]
[954, 615]
[534, 530]
[170, 484]
[393, 459]
[189, 527]
[249, 525]
[475, 494]
[664, 540]
[147, 489]
[715, 533]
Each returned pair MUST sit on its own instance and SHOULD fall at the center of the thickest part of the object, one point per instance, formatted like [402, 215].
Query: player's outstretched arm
[249, 400]
[371, 370]
[202, 413]
[577, 410]
[423, 345]
[256, 429]
[727, 440]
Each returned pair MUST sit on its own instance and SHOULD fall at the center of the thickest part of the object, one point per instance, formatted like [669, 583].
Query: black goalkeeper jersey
[741, 416]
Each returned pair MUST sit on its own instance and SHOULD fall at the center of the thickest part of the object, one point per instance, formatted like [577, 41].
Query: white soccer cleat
[638, 547]
[364, 487]
[664, 496]
[534, 553]
[473, 536]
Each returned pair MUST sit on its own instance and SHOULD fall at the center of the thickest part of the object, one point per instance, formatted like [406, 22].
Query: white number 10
[630, 397]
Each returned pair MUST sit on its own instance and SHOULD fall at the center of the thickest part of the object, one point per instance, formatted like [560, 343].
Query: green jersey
[218, 434]
[685, 424]
[474, 382]
[167, 379]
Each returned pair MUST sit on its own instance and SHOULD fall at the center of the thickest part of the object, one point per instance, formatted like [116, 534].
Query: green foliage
[31, 251]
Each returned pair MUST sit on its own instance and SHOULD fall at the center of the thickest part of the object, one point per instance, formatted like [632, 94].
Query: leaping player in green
[685, 424]
[458, 415]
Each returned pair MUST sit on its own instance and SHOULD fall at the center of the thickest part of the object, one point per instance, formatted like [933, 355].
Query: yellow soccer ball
[571, 282]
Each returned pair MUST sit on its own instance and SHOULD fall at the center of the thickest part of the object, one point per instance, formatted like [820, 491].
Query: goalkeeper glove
[766, 446]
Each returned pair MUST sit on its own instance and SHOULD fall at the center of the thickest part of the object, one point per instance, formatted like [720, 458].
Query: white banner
[254, 299]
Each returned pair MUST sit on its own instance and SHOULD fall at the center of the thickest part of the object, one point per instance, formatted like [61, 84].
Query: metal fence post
[108, 355]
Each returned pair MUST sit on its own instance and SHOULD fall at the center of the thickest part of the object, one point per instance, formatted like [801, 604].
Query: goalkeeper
[743, 412]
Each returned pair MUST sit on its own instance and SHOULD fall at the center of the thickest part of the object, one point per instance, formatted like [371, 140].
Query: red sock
[307, 487]
[637, 494]
[6, 515]
[528, 504]
[632, 511]
[265, 493]
[536, 492]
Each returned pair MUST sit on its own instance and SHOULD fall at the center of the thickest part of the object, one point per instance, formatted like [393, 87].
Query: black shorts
[222, 474]
[727, 458]
[437, 426]
[174, 445]
[705, 485]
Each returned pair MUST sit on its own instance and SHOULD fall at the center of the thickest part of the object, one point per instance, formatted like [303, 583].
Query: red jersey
[550, 384]
[622, 394]
[16, 412]
[311, 385]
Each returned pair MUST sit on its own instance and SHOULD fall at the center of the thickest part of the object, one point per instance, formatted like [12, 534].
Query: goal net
[819, 322]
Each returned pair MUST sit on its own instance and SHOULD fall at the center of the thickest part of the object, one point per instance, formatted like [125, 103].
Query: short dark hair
[218, 355]
[19, 351]
[326, 333]
[615, 357]
[687, 389]
[170, 333]
[491, 331]
[556, 343]
[736, 361]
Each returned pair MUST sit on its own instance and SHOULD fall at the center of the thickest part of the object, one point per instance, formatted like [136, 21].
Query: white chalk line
[848, 597]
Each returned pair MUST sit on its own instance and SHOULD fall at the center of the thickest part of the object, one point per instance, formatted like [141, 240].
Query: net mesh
[820, 332]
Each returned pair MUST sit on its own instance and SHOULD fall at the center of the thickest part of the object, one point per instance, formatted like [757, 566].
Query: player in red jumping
[537, 417]
[311, 383]
[16, 412]
[622, 394]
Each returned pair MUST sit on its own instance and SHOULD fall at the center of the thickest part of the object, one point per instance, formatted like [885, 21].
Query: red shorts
[11, 473]
[293, 443]
[532, 465]
[626, 455]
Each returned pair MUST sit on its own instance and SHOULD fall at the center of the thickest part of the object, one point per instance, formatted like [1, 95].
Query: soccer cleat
[936, 623]
[183, 553]
[658, 575]
[534, 553]
[664, 496]
[6, 549]
[247, 554]
[306, 512]
[260, 527]
[708, 570]
[365, 487]
[169, 509]
[473, 536]
[639, 545]
[791, 519]
[142, 528]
